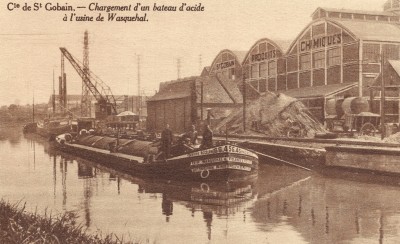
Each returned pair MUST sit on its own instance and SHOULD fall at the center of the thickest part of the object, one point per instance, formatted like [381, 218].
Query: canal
[284, 205]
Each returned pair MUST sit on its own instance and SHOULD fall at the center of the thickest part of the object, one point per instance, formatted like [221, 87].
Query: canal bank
[325, 154]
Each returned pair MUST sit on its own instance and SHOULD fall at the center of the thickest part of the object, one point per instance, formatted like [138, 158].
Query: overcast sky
[30, 41]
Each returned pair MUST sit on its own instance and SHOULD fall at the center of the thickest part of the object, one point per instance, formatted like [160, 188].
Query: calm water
[285, 205]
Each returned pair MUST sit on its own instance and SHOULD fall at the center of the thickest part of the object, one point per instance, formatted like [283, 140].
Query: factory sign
[263, 56]
[320, 42]
[225, 65]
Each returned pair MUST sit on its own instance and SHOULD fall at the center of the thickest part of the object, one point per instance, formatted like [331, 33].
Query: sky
[30, 41]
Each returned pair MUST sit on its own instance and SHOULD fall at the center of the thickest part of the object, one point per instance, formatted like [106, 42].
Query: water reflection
[54, 176]
[85, 171]
[13, 136]
[337, 210]
[87, 194]
[209, 198]
[208, 217]
[285, 205]
[166, 206]
[64, 170]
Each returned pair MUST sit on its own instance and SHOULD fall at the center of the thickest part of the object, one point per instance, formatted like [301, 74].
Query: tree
[12, 108]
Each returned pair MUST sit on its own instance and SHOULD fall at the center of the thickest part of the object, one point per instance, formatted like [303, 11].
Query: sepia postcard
[207, 121]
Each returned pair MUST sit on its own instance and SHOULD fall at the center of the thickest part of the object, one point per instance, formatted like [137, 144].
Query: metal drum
[330, 107]
[355, 105]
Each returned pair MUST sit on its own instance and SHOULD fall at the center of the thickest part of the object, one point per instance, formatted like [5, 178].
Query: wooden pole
[280, 160]
[139, 105]
[382, 96]
[226, 133]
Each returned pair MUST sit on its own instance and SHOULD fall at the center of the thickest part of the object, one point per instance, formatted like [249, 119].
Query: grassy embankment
[19, 226]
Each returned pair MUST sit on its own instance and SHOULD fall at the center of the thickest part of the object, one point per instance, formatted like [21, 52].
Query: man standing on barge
[192, 135]
[207, 137]
[166, 141]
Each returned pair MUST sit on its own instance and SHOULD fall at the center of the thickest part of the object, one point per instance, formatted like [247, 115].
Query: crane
[100, 90]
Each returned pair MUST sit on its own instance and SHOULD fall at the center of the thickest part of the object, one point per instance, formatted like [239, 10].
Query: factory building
[339, 53]
[220, 89]
[228, 64]
[260, 67]
[173, 104]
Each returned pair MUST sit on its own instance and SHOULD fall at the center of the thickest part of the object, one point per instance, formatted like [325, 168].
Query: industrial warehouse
[339, 54]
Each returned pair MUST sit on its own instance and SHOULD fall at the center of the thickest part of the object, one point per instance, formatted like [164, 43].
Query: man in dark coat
[207, 137]
[192, 135]
[166, 141]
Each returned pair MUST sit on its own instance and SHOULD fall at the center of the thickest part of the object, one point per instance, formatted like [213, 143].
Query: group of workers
[190, 138]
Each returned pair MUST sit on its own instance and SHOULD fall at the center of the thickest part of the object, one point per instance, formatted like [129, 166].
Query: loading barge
[227, 163]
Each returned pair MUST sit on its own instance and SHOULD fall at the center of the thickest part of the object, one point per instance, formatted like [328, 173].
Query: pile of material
[395, 138]
[272, 115]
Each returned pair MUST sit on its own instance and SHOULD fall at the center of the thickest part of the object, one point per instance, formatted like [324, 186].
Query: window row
[321, 77]
[372, 52]
[263, 69]
[318, 59]
[325, 59]
[266, 69]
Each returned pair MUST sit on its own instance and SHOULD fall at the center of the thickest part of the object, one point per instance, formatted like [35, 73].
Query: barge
[381, 159]
[50, 129]
[227, 163]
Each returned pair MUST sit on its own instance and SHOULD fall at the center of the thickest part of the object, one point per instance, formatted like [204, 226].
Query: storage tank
[334, 107]
[330, 106]
[355, 105]
[339, 109]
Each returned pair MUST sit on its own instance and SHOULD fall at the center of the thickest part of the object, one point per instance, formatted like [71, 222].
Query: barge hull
[179, 168]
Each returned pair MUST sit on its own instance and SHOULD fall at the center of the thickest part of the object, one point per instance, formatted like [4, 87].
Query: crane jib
[100, 90]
